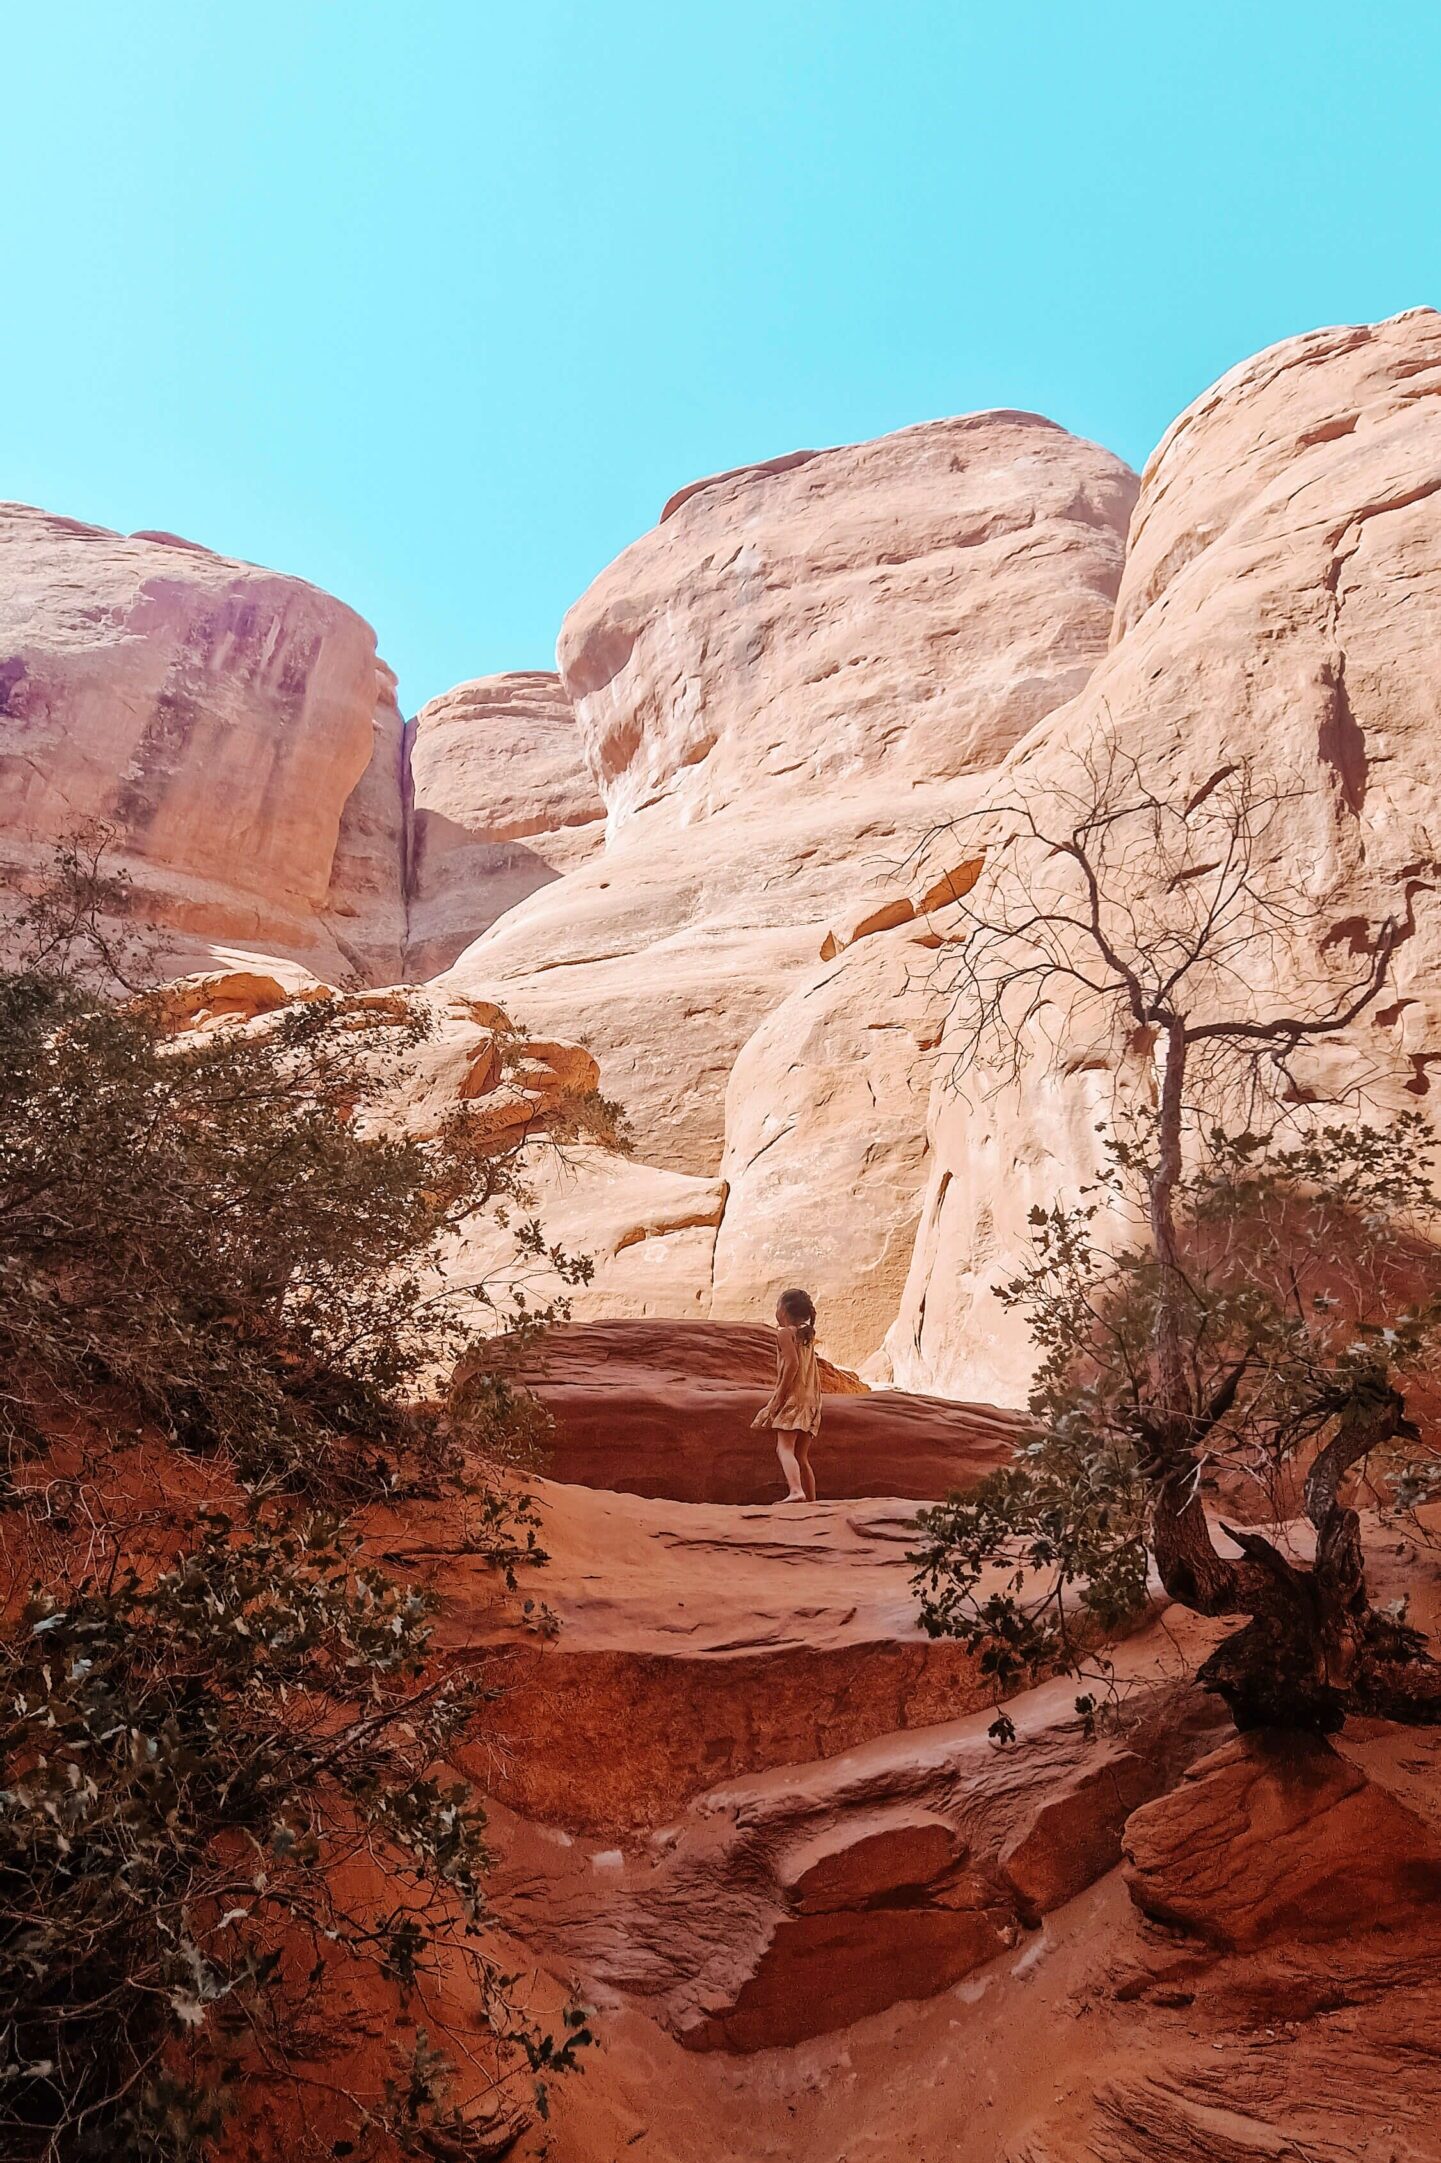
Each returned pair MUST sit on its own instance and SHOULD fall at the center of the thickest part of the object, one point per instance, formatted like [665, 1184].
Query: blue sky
[435, 301]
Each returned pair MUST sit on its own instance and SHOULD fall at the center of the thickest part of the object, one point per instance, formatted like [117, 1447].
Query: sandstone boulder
[1279, 1837]
[503, 803]
[219, 718]
[1072, 1834]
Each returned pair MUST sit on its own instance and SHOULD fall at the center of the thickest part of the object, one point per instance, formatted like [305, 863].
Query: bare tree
[1174, 928]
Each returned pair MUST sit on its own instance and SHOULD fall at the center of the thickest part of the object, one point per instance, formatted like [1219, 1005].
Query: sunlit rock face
[217, 717]
[907, 606]
[826, 1151]
[773, 685]
[716, 849]
[503, 802]
[810, 666]
[1280, 605]
[781, 689]
[365, 907]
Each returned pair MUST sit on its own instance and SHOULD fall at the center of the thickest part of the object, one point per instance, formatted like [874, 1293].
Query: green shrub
[201, 1222]
[191, 1762]
[204, 1247]
[1308, 1308]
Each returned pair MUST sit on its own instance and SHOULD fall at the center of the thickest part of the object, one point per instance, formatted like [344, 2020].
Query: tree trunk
[1190, 1568]
[1315, 1648]
[1172, 1399]
[1312, 1647]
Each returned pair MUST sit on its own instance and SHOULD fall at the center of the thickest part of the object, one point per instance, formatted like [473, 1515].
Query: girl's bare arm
[789, 1364]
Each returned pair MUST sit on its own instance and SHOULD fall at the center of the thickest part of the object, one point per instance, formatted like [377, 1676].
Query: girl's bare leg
[803, 1458]
[795, 1485]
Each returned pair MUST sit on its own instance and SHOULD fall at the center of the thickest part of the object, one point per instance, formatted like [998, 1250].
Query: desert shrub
[1246, 1323]
[1307, 1310]
[207, 1222]
[218, 1738]
[191, 1764]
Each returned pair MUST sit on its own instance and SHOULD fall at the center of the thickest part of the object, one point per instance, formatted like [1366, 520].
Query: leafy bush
[192, 1762]
[223, 1744]
[202, 1222]
[1309, 1305]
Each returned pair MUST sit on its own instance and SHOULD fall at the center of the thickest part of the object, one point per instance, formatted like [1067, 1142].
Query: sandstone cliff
[781, 689]
[220, 719]
[770, 686]
[716, 849]
[503, 804]
[811, 666]
[1280, 603]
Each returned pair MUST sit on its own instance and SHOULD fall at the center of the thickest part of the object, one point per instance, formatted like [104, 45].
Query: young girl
[793, 1408]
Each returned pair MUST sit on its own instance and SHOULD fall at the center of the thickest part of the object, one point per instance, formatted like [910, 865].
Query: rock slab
[1278, 1837]
[219, 719]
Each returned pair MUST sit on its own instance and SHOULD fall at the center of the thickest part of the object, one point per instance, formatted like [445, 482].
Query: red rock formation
[876, 1912]
[1062, 2025]
[452, 1051]
[793, 1902]
[807, 1893]
[1277, 1837]
[647, 1408]
[696, 1643]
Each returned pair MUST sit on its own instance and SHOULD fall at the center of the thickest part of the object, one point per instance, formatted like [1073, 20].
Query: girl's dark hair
[799, 1308]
